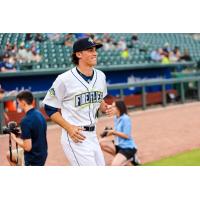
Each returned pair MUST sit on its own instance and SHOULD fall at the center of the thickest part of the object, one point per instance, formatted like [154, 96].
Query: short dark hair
[75, 59]
[121, 107]
[27, 96]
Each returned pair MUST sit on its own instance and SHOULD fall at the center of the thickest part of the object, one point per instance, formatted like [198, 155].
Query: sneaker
[135, 161]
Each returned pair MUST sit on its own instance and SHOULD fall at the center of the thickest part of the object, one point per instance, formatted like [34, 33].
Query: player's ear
[23, 102]
[78, 54]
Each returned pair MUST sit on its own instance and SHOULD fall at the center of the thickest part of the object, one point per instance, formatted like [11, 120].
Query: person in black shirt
[186, 56]
[33, 132]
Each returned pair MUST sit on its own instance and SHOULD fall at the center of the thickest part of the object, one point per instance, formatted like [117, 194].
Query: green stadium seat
[55, 55]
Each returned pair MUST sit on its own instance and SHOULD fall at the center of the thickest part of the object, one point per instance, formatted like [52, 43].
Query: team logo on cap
[90, 40]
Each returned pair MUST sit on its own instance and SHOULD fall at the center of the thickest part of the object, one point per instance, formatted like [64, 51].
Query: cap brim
[94, 45]
[97, 45]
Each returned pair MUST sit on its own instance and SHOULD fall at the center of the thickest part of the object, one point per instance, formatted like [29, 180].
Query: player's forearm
[58, 119]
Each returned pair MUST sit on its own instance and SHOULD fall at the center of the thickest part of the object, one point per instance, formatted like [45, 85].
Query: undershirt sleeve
[50, 110]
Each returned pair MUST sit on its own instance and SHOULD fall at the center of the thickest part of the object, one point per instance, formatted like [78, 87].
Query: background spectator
[156, 55]
[28, 37]
[122, 44]
[172, 57]
[80, 35]
[39, 37]
[54, 36]
[21, 54]
[165, 58]
[186, 56]
[107, 44]
[134, 40]
[125, 53]
[36, 56]
[177, 52]
[7, 64]
[68, 40]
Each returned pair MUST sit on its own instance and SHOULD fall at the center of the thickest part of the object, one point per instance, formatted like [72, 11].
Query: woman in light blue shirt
[124, 146]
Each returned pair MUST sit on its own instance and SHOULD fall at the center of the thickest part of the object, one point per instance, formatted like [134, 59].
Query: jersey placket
[89, 87]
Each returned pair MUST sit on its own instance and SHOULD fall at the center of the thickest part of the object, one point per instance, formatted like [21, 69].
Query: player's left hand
[103, 106]
[109, 110]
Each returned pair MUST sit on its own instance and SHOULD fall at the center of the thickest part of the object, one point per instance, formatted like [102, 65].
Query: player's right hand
[75, 134]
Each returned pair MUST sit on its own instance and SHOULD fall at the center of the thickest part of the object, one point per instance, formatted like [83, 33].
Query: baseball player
[79, 93]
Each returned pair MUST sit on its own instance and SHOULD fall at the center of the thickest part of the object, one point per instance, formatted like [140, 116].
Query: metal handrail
[121, 87]
[153, 82]
[36, 72]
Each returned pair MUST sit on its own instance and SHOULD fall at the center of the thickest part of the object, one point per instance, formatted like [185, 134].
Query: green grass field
[190, 158]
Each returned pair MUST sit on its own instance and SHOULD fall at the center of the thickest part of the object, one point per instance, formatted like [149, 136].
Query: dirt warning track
[158, 132]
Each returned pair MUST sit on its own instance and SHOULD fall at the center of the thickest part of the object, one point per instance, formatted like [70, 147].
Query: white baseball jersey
[79, 102]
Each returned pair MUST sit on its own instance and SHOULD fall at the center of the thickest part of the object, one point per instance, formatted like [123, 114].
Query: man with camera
[33, 134]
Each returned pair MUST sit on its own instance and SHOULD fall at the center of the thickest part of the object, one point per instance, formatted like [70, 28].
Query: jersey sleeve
[26, 129]
[55, 94]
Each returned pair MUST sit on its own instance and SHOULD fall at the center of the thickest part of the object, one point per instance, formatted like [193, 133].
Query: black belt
[89, 128]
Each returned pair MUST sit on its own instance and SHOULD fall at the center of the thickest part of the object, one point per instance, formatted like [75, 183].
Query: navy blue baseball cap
[85, 43]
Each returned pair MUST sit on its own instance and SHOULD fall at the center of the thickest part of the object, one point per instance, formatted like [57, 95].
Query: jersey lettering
[88, 97]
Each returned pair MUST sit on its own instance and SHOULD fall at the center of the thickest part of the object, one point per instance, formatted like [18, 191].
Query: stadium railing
[181, 81]
[36, 72]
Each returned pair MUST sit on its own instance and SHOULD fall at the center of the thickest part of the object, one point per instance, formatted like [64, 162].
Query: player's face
[89, 57]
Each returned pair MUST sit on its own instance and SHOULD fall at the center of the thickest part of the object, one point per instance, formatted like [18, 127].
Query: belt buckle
[91, 127]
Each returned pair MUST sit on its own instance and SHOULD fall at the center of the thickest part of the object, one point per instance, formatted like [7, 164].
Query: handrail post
[198, 89]
[37, 104]
[121, 93]
[164, 95]
[182, 92]
[144, 104]
[1, 116]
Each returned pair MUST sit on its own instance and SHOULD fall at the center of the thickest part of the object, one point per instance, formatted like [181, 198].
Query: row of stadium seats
[56, 55]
